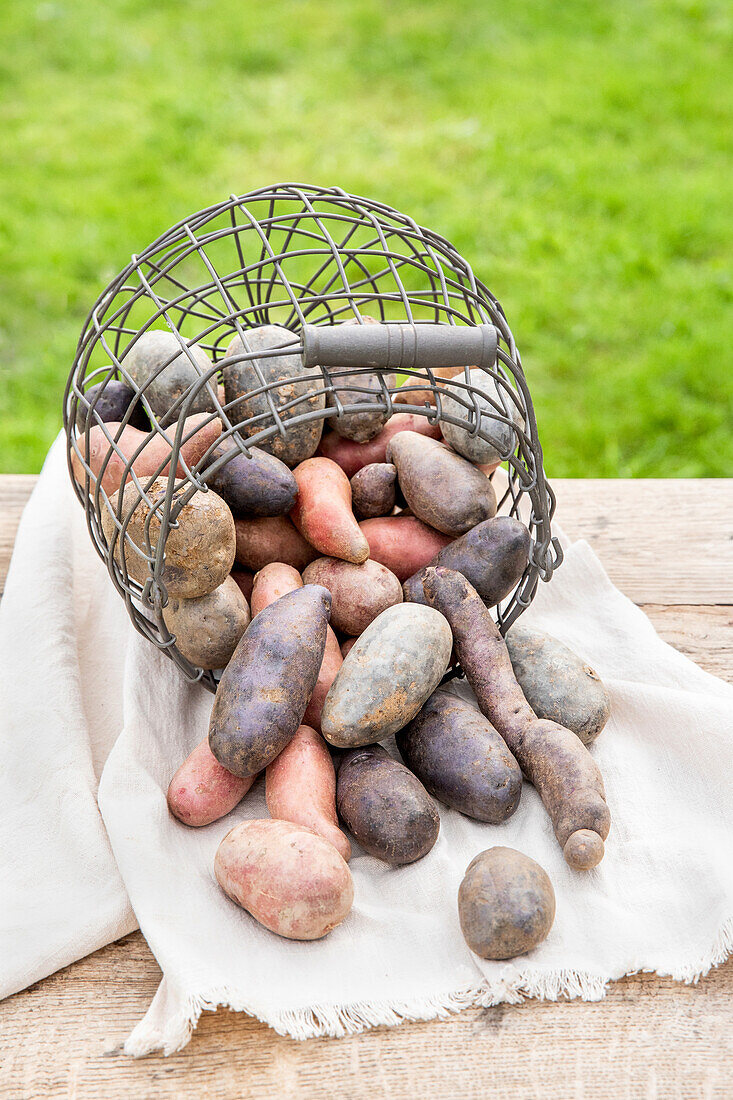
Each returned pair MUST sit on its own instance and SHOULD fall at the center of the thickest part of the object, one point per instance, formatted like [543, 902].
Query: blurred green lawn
[578, 153]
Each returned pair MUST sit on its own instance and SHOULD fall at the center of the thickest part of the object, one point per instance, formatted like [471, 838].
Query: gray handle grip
[399, 346]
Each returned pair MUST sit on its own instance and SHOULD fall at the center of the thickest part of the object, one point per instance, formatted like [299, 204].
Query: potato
[245, 580]
[492, 556]
[359, 592]
[202, 791]
[271, 539]
[265, 688]
[506, 904]
[272, 582]
[373, 490]
[502, 436]
[240, 378]
[112, 404]
[322, 513]
[402, 543]
[208, 628]
[395, 665]
[199, 434]
[260, 485]
[385, 807]
[441, 488]
[163, 385]
[347, 645]
[460, 759]
[329, 670]
[360, 426]
[300, 786]
[558, 684]
[410, 394]
[352, 456]
[554, 760]
[287, 877]
[199, 550]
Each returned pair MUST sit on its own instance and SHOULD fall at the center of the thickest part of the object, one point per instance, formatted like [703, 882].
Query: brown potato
[208, 628]
[506, 904]
[358, 592]
[259, 542]
[373, 490]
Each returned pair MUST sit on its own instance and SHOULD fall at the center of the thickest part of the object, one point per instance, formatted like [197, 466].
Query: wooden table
[669, 546]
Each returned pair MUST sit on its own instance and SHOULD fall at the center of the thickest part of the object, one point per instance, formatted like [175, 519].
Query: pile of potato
[335, 578]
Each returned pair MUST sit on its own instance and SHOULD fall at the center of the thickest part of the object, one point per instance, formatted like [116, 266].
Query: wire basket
[304, 258]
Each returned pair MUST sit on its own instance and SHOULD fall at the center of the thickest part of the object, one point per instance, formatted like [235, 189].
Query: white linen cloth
[85, 699]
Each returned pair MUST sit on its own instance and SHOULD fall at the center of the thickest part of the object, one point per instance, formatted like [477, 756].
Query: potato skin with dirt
[373, 490]
[461, 760]
[260, 485]
[199, 552]
[441, 488]
[360, 426]
[385, 808]
[265, 688]
[388, 674]
[208, 628]
[359, 592]
[492, 556]
[149, 353]
[506, 904]
[502, 436]
[557, 683]
[240, 378]
[286, 876]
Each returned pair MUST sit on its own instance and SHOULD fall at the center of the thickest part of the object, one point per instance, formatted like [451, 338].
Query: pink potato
[271, 583]
[347, 646]
[322, 512]
[358, 592]
[268, 539]
[202, 790]
[199, 433]
[300, 786]
[351, 456]
[402, 543]
[287, 877]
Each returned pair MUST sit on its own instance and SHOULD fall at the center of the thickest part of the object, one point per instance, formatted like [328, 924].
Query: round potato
[258, 485]
[501, 436]
[359, 592]
[111, 405]
[373, 490]
[290, 879]
[163, 384]
[208, 628]
[506, 904]
[362, 387]
[199, 550]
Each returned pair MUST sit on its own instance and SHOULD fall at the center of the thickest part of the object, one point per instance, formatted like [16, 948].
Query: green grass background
[577, 152]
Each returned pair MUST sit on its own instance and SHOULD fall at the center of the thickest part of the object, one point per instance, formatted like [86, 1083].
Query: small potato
[295, 384]
[396, 664]
[359, 592]
[441, 488]
[502, 436]
[202, 791]
[112, 404]
[373, 490]
[199, 551]
[557, 683]
[492, 556]
[385, 807]
[208, 628]
[245, 580]
[359, 388]
[272, 582]
[300, 786]
[410, 393]
[260, 485]
[506, 904]
[402, 543]
[287, 877]
[270, 539]
[145, 362]
[461, 759]
[351, 456]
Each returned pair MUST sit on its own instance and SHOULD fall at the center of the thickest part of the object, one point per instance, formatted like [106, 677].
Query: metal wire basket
[305, 258]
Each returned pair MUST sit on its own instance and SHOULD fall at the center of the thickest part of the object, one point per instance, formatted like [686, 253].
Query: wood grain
[669, 546]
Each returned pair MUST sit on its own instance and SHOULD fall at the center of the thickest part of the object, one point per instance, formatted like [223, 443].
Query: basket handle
[399, 346]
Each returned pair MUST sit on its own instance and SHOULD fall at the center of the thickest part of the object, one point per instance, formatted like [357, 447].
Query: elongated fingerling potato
[404, 544]
[272, 582]
[322, 511]
[202, 790]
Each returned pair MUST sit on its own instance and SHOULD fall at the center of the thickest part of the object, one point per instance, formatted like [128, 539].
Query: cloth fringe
[338, 1021]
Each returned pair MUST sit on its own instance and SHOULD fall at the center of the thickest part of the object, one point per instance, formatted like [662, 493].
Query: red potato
[347, 646]
[245, 580]
[300, 786]
[199, 433]
[359, 592]
[269, 539]
[287, 877]
[403, 544]
[271, 583]
[351, 456]
[322, 512]
[202, 790]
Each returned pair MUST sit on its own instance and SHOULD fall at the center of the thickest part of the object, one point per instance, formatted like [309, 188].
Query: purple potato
[373, 490]
[506, 904]
[112, 405]
[260, 485]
